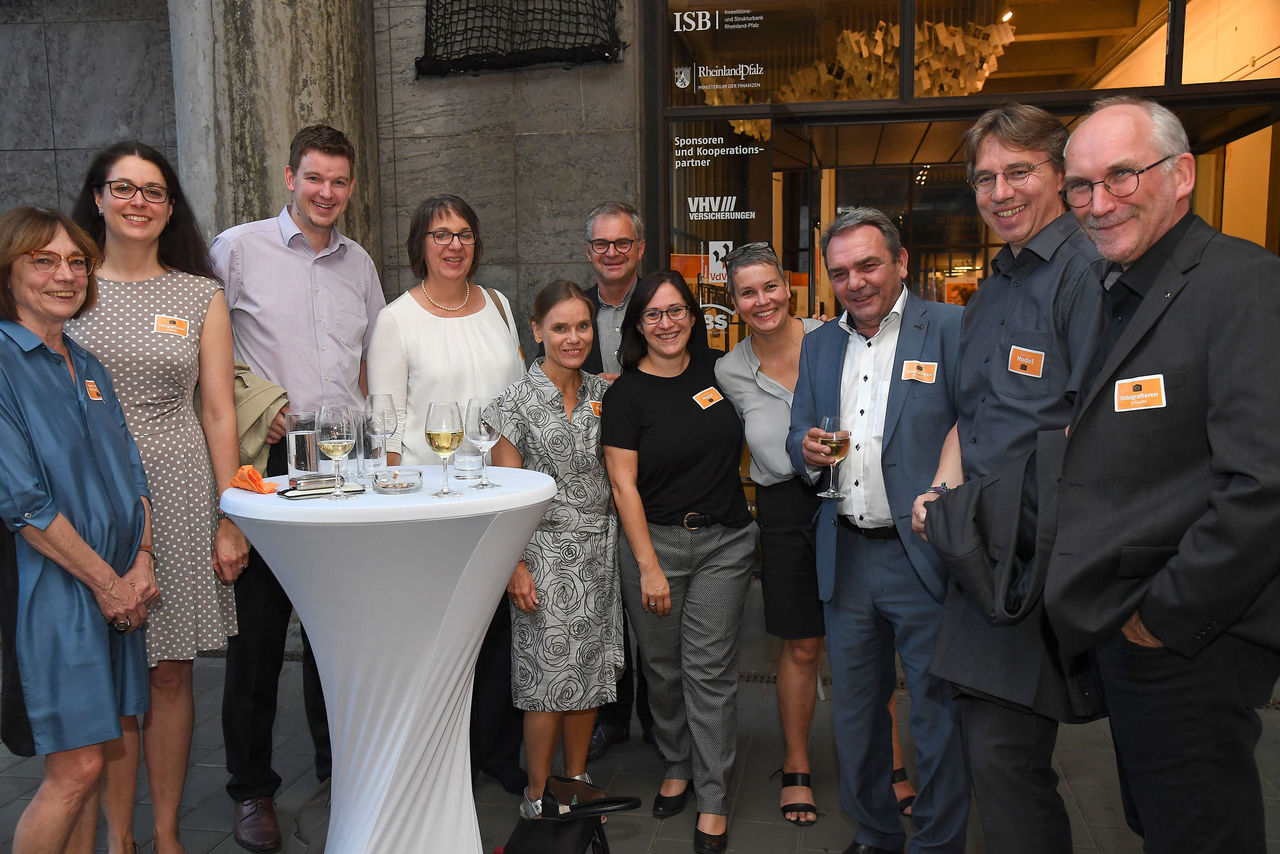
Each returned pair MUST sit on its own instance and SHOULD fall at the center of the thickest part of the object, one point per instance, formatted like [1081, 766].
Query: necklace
[459, 307]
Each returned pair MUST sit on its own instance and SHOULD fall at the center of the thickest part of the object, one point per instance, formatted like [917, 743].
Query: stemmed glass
[444, 435]
[336, 436]
[837, 439]
[483, 428]
[380, 423]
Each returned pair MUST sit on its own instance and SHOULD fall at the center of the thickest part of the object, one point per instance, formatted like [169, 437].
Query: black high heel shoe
[665, 806]
[710, 843]
[797, 778]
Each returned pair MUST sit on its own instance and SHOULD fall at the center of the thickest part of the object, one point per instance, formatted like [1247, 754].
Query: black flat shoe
[710, 843]
[666, 806]
[797, 778]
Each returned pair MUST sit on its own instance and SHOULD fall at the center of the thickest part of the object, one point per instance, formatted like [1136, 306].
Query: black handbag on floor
[570, 823]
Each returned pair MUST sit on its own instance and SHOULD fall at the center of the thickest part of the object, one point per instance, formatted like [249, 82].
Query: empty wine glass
[336, 436]
[444, 435]
[483, 428]
[837, 439]
[380, 422]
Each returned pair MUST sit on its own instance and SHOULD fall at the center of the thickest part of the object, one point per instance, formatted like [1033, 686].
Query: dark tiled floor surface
[1084, 761]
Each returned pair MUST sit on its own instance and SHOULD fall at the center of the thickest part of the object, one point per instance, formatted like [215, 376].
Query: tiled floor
[1084, 761]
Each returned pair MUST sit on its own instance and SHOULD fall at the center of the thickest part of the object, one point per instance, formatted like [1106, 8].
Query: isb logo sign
[692, 22]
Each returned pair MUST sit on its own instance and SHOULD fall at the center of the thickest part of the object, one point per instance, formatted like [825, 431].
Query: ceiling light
[1006, 15]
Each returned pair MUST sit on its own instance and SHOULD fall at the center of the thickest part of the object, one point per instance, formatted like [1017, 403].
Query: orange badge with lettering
[1140, 393]
[597, 408]
[91, 388]
[921, 372]
[171, 325]
[1025, 361]
[709, 396]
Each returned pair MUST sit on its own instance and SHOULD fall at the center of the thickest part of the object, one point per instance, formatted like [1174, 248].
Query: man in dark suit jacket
[887, 367]
[1165, 559]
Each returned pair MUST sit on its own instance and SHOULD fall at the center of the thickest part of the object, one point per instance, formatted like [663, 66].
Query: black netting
[482, 35]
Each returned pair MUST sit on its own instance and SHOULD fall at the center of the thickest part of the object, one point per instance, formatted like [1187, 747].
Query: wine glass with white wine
[444, 435]
[837, 439]
[483, 428]
[336, 436]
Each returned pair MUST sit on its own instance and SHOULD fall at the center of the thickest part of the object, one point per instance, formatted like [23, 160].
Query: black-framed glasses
[1014, 176]
[653, 316]
[622, 245]
[1120, 183]
[48, 262]
[443, 237]
[126, 190]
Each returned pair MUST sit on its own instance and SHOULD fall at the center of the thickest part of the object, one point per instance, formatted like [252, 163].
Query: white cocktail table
[396, 593]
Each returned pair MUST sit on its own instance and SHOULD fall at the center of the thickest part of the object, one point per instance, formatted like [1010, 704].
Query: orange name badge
[171, 325]
[91, 388]
[1025, 361]
[921, 372]
[709, 396]
[596, 408]
[1140, 393]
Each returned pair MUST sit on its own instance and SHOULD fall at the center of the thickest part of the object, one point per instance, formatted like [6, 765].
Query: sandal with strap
[797, 778]
[904, 804]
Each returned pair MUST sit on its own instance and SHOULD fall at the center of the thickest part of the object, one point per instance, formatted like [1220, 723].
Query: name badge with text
[91, 388]
[921, 372]
[596, 408]
[709, 396]
[171, 325]
[1138, 393]
[1025, 361]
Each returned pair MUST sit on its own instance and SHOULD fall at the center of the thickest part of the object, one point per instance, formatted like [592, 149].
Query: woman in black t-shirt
[672, 446]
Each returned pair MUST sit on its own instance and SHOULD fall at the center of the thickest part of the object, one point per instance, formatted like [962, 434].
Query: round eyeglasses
[1014, 176]
[653, 316]
[48, 262]
[1120, 183]
[126, 190]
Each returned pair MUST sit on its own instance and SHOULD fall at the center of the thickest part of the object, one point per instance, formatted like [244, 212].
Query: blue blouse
[66, 449]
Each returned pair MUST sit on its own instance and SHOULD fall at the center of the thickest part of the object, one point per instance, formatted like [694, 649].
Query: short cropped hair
[1167, 132]
[612, 209]
[858, 217]
[750, 255]
[324, 139]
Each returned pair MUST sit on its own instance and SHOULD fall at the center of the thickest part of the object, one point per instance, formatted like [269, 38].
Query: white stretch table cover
[396, 593]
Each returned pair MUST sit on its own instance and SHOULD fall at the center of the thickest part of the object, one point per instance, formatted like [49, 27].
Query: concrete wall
[531, 151]
[78, 75]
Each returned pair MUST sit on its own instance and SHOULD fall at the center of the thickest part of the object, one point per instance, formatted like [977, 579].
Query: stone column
[247, 76]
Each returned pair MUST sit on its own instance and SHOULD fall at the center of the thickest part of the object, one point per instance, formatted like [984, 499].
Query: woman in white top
[445, 339]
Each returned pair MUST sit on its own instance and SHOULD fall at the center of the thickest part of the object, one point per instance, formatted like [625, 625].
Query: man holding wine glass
[876, 388]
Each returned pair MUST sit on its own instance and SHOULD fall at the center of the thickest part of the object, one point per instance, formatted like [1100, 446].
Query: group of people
[1054, 505]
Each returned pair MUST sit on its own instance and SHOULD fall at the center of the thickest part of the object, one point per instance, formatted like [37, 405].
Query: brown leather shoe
[256, 826]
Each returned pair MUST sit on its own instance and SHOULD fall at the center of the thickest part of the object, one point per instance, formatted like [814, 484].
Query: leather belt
[889, 532]
[694, 521]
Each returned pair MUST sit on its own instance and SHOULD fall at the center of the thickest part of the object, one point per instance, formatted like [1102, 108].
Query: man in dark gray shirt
[1025, 341]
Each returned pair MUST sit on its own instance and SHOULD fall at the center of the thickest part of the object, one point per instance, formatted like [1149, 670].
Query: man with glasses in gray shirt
[1025, 341]
[303, 298]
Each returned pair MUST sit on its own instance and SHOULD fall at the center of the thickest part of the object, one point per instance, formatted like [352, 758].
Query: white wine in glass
[336, 436]
[444, 435]
[837, 439]
[483, 428]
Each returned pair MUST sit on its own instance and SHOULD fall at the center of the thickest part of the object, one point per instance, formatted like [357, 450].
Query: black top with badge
[688, 440]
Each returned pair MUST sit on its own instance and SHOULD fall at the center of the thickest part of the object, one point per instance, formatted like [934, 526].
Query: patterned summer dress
[566, 655]
[148, 336]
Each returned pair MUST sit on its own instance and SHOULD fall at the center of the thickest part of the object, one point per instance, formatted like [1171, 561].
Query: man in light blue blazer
[886, 366]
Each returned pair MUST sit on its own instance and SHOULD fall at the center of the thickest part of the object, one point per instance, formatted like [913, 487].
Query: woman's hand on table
[520, 589]
[230, 552]
[655, 593]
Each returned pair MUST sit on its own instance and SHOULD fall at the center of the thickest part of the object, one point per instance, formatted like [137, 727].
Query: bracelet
[222, 514]
[940, 489]
[146, 547]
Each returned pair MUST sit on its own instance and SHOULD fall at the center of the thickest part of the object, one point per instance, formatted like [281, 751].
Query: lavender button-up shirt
[300, 319]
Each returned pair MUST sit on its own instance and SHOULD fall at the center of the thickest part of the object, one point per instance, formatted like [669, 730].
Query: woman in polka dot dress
[162, 329]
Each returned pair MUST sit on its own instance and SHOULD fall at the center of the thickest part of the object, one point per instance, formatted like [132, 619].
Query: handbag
[571, 820]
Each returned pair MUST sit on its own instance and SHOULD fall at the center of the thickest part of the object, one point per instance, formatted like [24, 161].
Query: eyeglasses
[48, 262]
[1014, 176]
[622, 245]
[126, 190]
[443, 237]
[1120, 183]
[653, 316]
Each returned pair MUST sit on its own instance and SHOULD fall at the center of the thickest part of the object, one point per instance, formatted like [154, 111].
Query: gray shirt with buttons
[1025, 343]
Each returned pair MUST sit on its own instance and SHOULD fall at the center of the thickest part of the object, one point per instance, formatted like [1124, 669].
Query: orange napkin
[248, 478]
